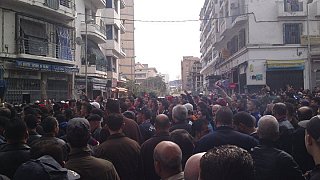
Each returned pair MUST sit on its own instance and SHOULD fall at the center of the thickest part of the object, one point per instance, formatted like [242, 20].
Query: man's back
[124, 153]
[131, 130]
[275, 164]
[12, 156]
[90, 167]
[285, 140]
[147, 149]
[222, 136]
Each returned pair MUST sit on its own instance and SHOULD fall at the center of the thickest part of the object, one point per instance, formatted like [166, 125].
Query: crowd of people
[258, 136]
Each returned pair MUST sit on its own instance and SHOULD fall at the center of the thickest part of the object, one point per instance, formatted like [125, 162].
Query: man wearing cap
[312, 142]
[80, 159]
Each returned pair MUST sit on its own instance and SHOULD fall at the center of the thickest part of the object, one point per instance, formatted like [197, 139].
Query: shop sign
[45, 67]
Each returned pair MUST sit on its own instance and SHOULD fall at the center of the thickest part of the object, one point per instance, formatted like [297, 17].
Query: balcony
[99, 4]
[57, 9]
[113, 49]
[44, 51]
[112, 15]
[293, 9]
[225, 25]
[95, 32]
[216, 38]
[93, 70]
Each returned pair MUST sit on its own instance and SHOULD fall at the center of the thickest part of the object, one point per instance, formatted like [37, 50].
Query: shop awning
[280, 65]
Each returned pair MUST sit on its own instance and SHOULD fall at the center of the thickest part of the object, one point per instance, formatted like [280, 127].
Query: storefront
[29, 81]
[96, 87]
[282, 73]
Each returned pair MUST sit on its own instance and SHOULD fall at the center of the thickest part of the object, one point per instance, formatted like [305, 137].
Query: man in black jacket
[312, 142]
[15, 151]
[270, 162]
[162, 125]
[224, 134]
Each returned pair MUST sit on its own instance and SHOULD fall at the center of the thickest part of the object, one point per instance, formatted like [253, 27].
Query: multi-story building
[143, 72]
[99, 30]
[195, 79]
[189, 74]
[127, 64]
[37, 50]
[255, 43]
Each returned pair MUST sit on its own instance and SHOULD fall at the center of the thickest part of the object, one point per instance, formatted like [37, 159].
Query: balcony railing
[42, 48]
[55, 4]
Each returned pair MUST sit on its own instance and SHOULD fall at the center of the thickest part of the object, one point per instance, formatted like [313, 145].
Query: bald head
[215, 108]
[192, 168]
[167, 157]
[268, 128]
[162, 122]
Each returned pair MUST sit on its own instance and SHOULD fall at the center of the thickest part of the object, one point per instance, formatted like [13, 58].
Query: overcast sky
[162, 45]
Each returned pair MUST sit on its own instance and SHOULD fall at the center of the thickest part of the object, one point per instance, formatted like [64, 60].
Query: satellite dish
[79, 41]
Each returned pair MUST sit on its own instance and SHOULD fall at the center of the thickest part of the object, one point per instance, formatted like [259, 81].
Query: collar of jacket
[162, 133]
[80, 152]
[116, 136]
[224, 127]
[267, 143]
[12, 147]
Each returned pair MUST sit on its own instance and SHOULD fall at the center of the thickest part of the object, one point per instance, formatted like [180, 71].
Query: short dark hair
[15, 130]
[304, 113]
[113, 106]
[47, 147]
[146, 112]
[280, 109]
[245, 119]
[316, 99]
[49, 124]
[114, 122]
[227, 162]
[224, 115]
[5, 112]
[165, 103]
[94, 117]
[98, 112]
[31, 121]
[87, 106]
[197, 126]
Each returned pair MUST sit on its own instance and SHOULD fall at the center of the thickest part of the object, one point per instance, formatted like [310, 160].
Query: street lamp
[86, 55]
[309, 46]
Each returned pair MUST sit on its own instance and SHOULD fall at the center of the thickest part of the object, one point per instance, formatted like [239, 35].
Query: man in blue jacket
[224, 134]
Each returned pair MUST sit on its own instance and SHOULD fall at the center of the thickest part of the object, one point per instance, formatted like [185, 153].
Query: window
[292, 33]
[34, 39]
[242, 38]
[109, 4]
[109, 31]
[116, 34]
[114, 65]
[293, 6]
[65, 3]
[109, 62]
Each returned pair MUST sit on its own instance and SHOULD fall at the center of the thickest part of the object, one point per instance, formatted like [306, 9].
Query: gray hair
[179, 112]
[268, 128]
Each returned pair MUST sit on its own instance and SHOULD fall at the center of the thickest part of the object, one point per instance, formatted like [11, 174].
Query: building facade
[143, 72]
[190, 74]
[257, 43]
[37, 49]
[99, 29]
[127, 64]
